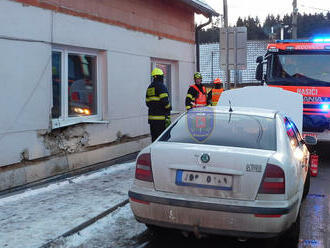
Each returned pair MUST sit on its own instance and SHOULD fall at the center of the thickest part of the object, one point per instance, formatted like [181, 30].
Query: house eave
[201, 7]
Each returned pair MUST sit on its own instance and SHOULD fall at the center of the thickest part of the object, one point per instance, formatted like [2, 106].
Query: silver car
[239, 172]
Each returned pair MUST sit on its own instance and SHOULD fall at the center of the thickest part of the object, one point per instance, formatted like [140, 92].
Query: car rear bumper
[173, 211]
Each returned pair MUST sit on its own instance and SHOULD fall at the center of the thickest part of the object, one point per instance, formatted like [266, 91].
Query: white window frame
[64, 119]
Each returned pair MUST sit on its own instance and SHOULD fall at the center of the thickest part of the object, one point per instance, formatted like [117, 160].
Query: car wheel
[291, 237]
[307, 185]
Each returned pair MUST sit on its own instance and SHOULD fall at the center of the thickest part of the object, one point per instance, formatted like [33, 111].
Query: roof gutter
[198, 28]
[202, 7]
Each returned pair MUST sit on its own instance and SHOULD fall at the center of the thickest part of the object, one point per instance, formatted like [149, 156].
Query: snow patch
[117, 229]
[35, 217]
[76, 179]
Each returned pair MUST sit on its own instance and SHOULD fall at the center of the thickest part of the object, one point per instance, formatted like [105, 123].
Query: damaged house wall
[31, 147]
[69, 140]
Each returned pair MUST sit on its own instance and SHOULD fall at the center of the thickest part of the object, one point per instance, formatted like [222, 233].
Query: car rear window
[222, 129]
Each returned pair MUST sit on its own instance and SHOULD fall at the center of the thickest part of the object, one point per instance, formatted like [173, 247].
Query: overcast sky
[262, 8]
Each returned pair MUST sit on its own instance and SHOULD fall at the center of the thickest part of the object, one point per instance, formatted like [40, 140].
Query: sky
[262, 8]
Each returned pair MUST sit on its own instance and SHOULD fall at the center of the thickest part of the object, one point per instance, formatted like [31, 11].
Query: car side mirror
[310, 140]
[259, 72]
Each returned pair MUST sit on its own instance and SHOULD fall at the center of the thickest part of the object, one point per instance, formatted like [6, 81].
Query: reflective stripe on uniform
[156, 118]
[216, 93]
[151, 91]
[188, 107]
[190, 96]
[152, 98]
[168, 106]
[163, 95]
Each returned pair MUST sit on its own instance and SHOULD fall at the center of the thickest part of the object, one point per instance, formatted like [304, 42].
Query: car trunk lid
[206, 170]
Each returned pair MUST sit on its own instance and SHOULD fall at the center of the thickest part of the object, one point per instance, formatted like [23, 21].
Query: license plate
[204, 180]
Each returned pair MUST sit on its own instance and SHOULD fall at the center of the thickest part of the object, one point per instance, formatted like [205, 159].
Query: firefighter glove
[167, 121]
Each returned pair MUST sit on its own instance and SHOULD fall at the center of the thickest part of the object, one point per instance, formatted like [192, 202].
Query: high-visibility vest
[201, 99]
[215, 96]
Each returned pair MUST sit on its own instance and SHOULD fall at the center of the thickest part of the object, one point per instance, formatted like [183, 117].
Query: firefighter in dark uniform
[197, 95]
[158, 103]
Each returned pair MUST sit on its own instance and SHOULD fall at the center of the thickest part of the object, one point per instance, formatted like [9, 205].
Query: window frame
[64, 118]
[171, 91]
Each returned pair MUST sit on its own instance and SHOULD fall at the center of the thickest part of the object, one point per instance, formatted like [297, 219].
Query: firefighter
[215, 93]
[158, 103]
[197, 95]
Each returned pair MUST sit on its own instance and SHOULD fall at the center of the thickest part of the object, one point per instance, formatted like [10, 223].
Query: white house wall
[26, 70]
[24, 98]
[26, 73]
[130, 77]
[24, 22]
[75, 31]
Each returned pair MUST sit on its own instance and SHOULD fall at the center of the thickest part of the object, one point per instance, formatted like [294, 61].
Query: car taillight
[143, 169]
[273, 181]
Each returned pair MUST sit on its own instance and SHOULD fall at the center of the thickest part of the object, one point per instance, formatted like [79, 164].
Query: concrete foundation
[32, 171]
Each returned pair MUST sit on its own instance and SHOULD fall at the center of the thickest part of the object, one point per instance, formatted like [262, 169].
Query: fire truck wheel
[307, 184]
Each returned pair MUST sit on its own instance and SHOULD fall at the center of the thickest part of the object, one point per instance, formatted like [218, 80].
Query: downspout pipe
[198, 28]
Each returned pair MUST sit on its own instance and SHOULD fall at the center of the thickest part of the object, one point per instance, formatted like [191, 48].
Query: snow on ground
[118, 229]
[34, 217]
[54, 186]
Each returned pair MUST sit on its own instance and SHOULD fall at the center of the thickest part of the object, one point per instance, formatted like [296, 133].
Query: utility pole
[294, 19]
[225, 17]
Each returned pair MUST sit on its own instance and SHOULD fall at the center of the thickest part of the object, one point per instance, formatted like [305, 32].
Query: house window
[57, 82]
[167, 68]
[76, 96]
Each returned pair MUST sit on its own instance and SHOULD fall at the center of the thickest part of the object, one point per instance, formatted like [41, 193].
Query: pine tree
[309, 26]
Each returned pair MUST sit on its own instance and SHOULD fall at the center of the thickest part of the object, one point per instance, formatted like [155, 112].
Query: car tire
[290, 238]
[307, 185]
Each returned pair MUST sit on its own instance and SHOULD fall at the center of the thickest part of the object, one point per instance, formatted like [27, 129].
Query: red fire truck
[302, 66]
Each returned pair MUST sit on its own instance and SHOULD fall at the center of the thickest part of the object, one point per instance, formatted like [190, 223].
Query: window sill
[57, 123]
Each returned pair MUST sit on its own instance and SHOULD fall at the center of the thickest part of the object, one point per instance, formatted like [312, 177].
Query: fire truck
[302, 66]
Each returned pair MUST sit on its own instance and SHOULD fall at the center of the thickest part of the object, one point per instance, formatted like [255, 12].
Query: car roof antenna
[230, 109]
